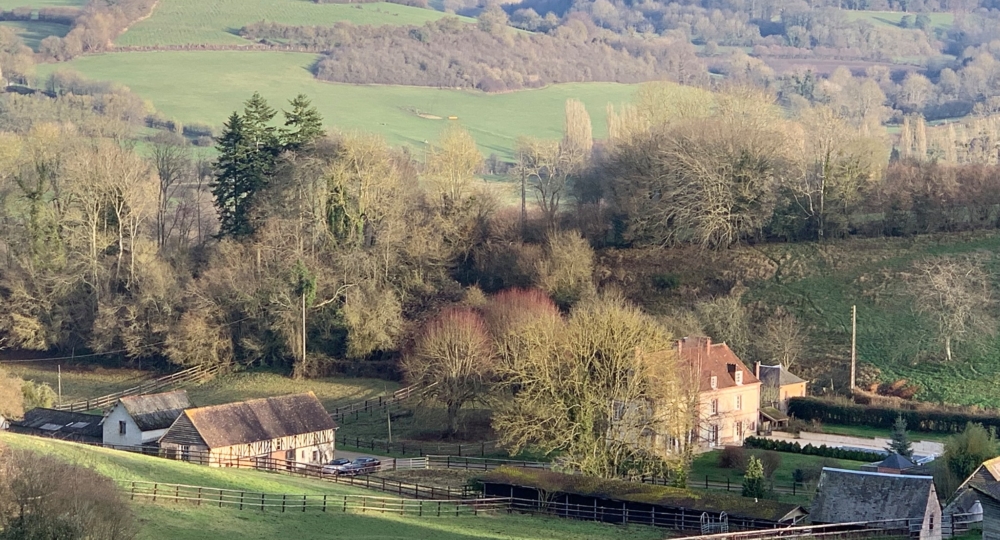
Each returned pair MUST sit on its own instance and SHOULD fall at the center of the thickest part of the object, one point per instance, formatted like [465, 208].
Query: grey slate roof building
[73, 426]
[139, 420]
[844, 496]
[777, 376]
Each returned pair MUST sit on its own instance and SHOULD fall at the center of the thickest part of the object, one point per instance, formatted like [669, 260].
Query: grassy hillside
[182, 22]
[207, 86]
[11, 4]
[892, 18]
[83, 383]
[188, 522]
[820, 282]
[33, 32]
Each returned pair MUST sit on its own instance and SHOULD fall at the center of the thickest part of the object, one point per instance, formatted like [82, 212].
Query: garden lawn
[206, 86]
[871, 432]
[186, 22]
[707, 464]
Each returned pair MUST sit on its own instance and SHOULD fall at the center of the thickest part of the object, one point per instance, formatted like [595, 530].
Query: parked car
[336, 466]
[362, 465]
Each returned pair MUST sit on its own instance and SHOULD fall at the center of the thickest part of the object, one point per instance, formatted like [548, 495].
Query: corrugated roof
[156, 411]
[777, 376]
[713, 360]
[259, 420]
[844, 496]
[63, 423]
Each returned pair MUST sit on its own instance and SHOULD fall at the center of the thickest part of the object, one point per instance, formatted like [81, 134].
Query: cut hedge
[810, 450]
[926, 420]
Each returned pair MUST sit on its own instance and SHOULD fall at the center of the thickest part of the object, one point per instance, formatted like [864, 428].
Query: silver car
[337, 466]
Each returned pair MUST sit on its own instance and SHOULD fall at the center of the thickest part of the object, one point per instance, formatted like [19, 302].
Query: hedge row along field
[929, 420]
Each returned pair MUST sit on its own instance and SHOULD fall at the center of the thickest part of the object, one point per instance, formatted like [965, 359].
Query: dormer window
[739, 377]
[714, 382]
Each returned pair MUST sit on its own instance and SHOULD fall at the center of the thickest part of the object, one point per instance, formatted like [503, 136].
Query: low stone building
[891, 500]
[288, 430]
[142, 420]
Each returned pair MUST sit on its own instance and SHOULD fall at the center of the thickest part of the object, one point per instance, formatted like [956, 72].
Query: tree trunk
[453, 408]
[947, 347]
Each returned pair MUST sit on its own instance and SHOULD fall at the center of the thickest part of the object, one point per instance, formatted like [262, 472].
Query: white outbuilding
[140, 420]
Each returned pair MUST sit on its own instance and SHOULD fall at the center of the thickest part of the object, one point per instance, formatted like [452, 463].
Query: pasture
[33, 32]
[892, 18]
[186, 22]
[188, 522]
[206, 86]
[819, 283]
[11, 4]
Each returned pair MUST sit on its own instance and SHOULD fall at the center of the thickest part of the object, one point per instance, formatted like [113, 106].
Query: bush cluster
[810, 450]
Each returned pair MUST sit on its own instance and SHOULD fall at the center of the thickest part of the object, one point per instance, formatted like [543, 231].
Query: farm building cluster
[292, 429]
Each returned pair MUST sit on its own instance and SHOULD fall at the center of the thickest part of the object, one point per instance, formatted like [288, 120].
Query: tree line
[488, 56]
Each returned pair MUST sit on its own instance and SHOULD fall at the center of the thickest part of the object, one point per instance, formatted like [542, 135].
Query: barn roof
[844, 496]
[259, 420]
[985, 479]
[57, 423]
[156, 411]
[777, 376]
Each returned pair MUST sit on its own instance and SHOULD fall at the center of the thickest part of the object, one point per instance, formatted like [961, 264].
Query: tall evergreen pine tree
[303, 124]
[248, 150]
[899, 442]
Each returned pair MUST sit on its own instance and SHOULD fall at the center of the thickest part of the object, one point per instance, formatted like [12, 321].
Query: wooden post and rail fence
[184, 376]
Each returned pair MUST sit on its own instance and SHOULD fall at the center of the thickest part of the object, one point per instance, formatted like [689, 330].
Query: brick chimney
[756, 369]
[708, 346]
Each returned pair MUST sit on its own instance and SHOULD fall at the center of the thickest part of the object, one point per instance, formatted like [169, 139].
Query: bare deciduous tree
[172, 163]
[578, 136]
[566, 271]
[452, 164]
[956, 293]
[453, 353]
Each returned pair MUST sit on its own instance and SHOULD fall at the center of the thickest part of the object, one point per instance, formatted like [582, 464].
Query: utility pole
[854, 344]
[388, 417]
[303, 327]
[524, 206]
[59, 378]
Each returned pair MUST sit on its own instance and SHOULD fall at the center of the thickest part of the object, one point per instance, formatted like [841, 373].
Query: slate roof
[848, 496]
[895, 461]
[713, 360]
[61, 424]
[777, 376]
[156, 411]
[256, 420]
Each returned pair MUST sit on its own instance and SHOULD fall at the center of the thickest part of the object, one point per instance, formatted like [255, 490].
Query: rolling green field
[820, 282]
[183, 22]
[892, 18]
[11, 4]
[206, 86]
[33, 32]
[189, 522]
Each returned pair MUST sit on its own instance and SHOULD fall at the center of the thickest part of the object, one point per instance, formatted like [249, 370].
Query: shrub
[666, 282]
[771, 460]
[733, 457]
[810, 450]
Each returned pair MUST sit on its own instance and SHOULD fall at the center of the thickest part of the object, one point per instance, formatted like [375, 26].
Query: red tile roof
[713, 359]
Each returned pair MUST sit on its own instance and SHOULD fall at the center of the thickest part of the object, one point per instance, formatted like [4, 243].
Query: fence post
[177, 493]
[706, 481]
[364, 504]
[727, 483]
[793, 488]
[345, 503]
[220, 498]
[261, 502]
[283, 497]
[154, 491]
[324, 503]
[304, 503]
[439, 508]
[242, 495]
[133, 491]
[459, 449]
[482, 449]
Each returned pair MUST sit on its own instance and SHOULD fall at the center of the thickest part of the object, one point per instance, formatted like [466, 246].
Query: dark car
[336, 466]
[362, 465]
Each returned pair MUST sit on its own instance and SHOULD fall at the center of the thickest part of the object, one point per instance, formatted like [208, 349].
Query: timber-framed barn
[295, 429]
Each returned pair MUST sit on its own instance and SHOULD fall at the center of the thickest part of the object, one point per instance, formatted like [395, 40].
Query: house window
[277, 444]
[185, 452]
[739, 403]
[715, 407]
[739, 430]
[713, 435]
[122, 426]
[932, 522]
[315, 456]
[739, 376]
[714, 382]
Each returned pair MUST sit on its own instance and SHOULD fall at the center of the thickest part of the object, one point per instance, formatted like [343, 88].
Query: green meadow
[206, 86]
[892, 18]
[183, 521]
[11, 4]
[184, 22]
[33, 32]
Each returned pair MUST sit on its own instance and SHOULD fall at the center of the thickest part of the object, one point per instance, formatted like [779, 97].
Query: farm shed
[892, 464]
[70, 426]
[294, 428]
[966, 503]
[989, 497]
[844, 496]
[618, 501]
[139, 420]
